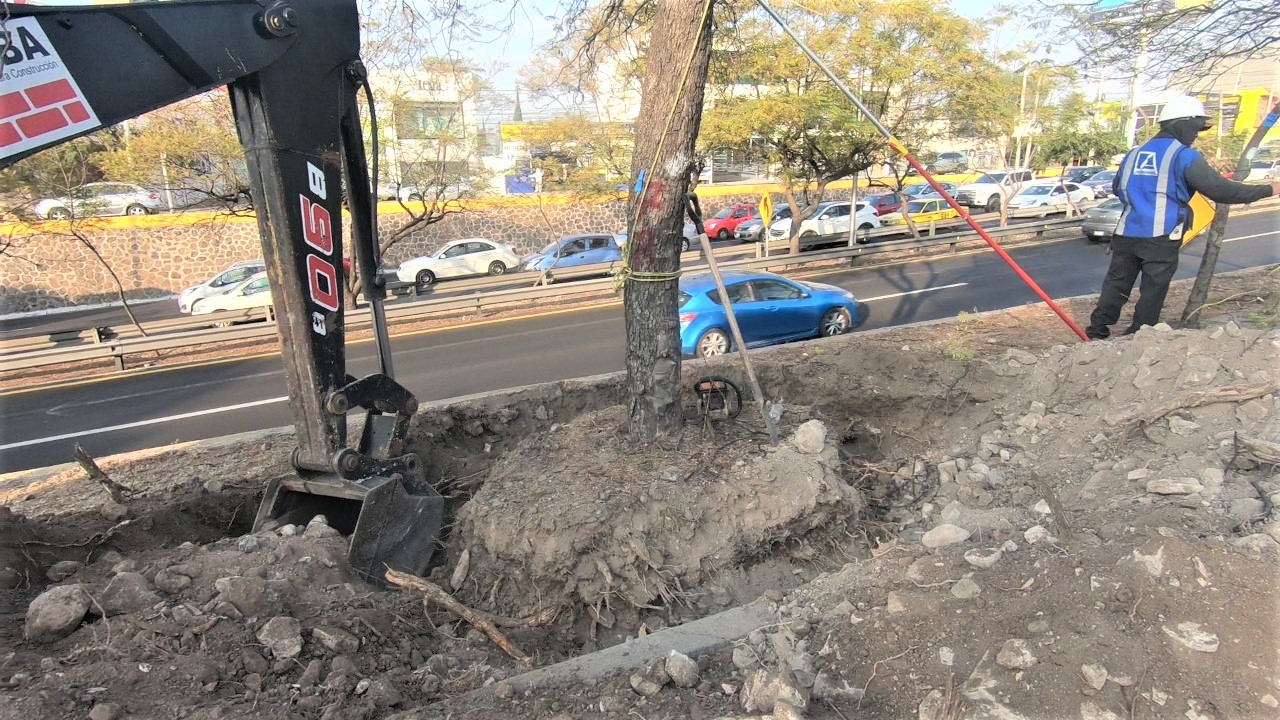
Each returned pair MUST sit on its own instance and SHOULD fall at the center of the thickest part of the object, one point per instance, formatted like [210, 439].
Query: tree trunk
[679, 53]
[1213, 238]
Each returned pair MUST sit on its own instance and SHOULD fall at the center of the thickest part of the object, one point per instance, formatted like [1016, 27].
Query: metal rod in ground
[695, 214]
[902, 150]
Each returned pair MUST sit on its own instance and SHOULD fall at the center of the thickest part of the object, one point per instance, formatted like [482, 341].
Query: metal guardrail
[116, 344]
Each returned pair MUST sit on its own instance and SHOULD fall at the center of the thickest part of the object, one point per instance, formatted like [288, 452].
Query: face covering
[1184, 130]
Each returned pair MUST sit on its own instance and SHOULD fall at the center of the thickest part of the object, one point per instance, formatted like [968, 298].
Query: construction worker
[1155, 183]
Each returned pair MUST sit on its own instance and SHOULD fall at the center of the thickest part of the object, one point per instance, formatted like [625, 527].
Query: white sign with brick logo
[39, 100]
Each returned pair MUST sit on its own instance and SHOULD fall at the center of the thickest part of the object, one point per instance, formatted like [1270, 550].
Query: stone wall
[47, 266]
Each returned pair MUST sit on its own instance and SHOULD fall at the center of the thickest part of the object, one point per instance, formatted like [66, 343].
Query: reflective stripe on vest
[1154, 191]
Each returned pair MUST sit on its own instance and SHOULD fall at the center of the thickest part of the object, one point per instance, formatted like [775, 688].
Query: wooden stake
[434, 593]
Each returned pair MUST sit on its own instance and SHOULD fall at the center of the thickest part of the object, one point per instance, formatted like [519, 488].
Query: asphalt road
[118, 414]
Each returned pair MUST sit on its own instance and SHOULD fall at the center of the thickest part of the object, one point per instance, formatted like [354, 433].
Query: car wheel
[425, 279]
[722, 235]
[993, 204]
[497, 268]
[713, 343]
[135, 209]
[59, 213]
[864, 228]
[684, 244]
[834, 322]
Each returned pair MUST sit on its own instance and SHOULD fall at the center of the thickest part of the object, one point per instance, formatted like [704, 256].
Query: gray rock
[762, 691]
[431, 685]
[1179, 426]
[1192, 636]
[113, 511]
[247, 543]
[1022, 357]
[127, 592]
[213, 486]
[828, 687]
[744, 658]
[1246, 509]
[504, 691]
[62, 570]
[541, 413]
[1094, 675]
[311, 676]
[810, 437]
[944, 535]
[966, 589]
[983, 559]
[336, 641]
[254, 662]
[283, 635]
[1035, 534]
[104, 711]
[783, 710]
[319, 527]
[1258, 543]
[171, 582]
[1174, 486]
[1016, 654]
[383, 693]
[56, 613]
[682, 669]
[246, 594]
[650, 680]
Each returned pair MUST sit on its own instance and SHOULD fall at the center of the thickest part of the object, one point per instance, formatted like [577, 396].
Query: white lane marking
[57, 409]
[915, 292]
[1250, 237]
[141, 423]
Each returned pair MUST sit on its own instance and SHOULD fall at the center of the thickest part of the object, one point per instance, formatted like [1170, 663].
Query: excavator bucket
[389, 526]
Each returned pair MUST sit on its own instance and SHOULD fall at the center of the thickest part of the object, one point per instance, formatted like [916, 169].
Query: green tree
[905, 58]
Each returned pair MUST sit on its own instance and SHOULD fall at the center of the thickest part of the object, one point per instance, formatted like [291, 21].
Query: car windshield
[917, 206]
[991, 178]
[1037, 190]
[724, 213]
[550, 248]
[683, 298]
[1102, 176]
[1112, 204]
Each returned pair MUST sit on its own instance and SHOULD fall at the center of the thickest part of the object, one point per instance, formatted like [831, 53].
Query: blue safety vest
[1153, 188]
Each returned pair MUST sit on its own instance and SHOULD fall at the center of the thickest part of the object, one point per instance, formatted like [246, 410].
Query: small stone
[339, 642]
[682, 669]
[213, 486]
[247, 543]
[1179, 426]
[113, 511]
[127, 592]
[1191, 636]
[363, 686]
[946, 656]
[319, 527]
[62, 570]
[1094, 675]
[1242, 509]
[1213, 478]
[104, 711]
[810, 438]
[983, 559]
[541, 413]
[431, 685]
[1038, 627]
[650, 680]
[283, 635]
[944, 535]
[171, 582]
[1035, 534]
[1009, 546]
[1042, 507]
[1138, 474]
[311, 676]
[745, 659]
[1174, 486]
[1256, 543]
[783, 710]
[254, 662]
[763, 690]
[56, 613]
[1016, 654]
[289, 530]
[894, 604]
[1269, 700]
[383, 693]
[1090, 711]
[504, 691]
[966, 589]
[247, 594]
[1152, 564]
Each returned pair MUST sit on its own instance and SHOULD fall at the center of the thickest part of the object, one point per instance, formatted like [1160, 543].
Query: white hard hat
[1184, 106]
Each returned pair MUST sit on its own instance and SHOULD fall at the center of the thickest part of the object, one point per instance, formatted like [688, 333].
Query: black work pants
[1157, 260]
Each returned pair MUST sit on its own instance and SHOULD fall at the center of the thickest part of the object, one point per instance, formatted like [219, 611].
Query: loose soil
[973, 519]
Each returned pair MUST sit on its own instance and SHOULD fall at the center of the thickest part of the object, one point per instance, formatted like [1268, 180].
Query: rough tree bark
[679, 53]
[1213, 239]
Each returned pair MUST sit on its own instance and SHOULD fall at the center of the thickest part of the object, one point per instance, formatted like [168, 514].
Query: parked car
[1079, 173]
[830, 218]
[1100, 184]
[1100, 221]
[770, 309]
[1274, 172]
[885, 203]
[923, 190]
[574, 250]
[252, 292]
[725, 222]
[950, 162]
[434, 193]
[924, 210]
[219, 283]
[992, 188]
[97, 199]
[753, 229]
[459, 258]
[1046, 197]
[1259, 170]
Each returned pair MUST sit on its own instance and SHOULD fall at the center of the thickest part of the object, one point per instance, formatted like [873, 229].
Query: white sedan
[252, 292]
[459, 258]
[1042, 199]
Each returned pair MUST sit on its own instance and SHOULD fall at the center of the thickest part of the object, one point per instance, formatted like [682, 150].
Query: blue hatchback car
[770, 309]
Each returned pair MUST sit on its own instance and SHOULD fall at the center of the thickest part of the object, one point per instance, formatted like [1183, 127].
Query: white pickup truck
[992, 188]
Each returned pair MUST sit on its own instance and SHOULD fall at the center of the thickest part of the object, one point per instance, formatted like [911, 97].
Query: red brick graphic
[13, 104]
[8, 134]
[51, 93]
[76, 112]
[42, 122]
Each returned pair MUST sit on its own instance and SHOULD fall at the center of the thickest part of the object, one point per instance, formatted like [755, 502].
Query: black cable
[373, 173]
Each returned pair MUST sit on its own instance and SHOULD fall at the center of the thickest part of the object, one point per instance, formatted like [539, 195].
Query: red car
[884, 203]
[722, 226]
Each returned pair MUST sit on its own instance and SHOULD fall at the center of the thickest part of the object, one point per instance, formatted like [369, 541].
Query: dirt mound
[990, 525]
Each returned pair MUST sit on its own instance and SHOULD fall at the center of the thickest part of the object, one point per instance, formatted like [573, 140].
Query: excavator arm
[293, 71]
